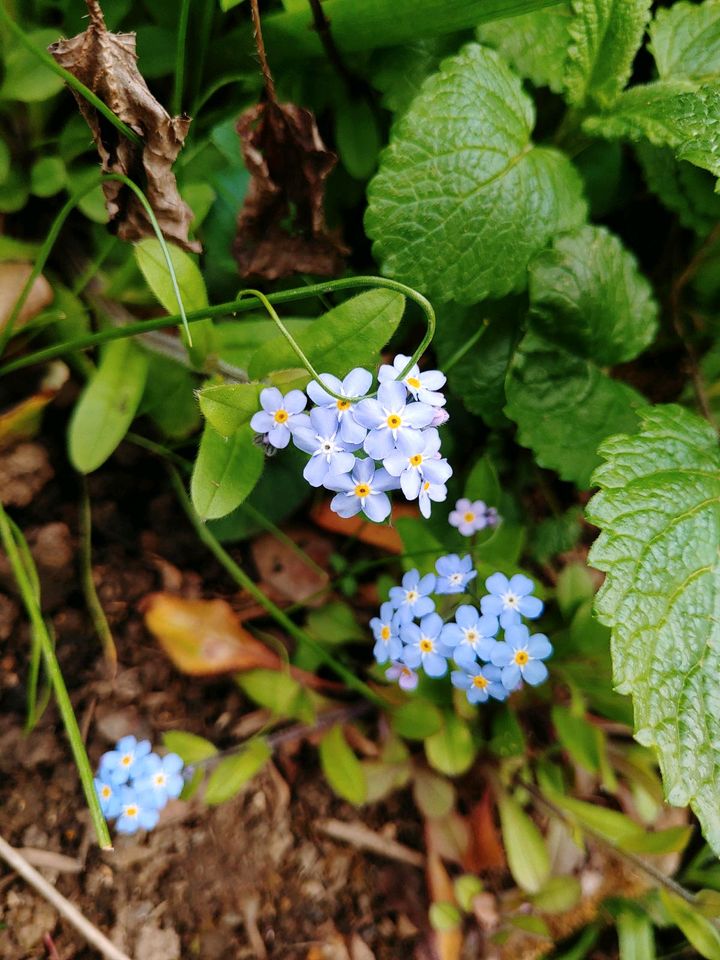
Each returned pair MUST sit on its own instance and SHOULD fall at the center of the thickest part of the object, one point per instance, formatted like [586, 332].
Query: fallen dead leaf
[13, 277]
[449, 942]
[374, 534]
[290, 574]
[288, 164]
[22, 421]
[204, 637]
[485, 850]
[107, 64]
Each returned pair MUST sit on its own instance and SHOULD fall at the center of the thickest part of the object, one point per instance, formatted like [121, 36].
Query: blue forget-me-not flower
[511, 599]
[454, 573]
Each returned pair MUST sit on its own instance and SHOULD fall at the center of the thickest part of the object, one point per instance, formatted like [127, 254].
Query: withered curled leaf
[281, 227]
[107, 64]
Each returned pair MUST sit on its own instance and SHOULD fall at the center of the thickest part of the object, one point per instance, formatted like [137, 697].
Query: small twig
[63, 906]
[360, 836]
[260, 47]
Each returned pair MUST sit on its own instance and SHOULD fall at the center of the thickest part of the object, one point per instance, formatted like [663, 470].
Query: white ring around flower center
[510, 599]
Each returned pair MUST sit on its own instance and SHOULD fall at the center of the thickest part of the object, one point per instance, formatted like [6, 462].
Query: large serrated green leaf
[686, 190]
[463, 199]
[535, 44]
[565, 407]
[670, 113]
[107, 405]
[659, 515]
[587, 294]
[685, 40]
[605, 36]
[350, 335]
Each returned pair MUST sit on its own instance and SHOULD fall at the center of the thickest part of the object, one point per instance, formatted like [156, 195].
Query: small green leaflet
[544, 384]
[451, 750]
[463, 199]
[701, 933]
[587, 295]
[527, 854]
[685, 40]
[605, 36]
[635, 935]
[534, 44]
[107, 405]
[659, 516]
[232, 774]
[342, 769]
[350, 335]
[225, 472]
[228, 406]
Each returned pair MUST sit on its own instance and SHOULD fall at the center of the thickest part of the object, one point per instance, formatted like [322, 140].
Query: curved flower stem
[180, 56]
[240, 305]
[69, 78]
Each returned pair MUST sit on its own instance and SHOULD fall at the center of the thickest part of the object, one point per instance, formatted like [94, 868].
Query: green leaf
[508, 739]
[685, 40]
[534, 44]
[278, 692]
[227, 407]
[358, 137]
[434, 796]
[225, 472]
[444, 916]
[398, 72]
[482, 482]
[151, 260]
[169, 397]
[237, 340]
[669, 113]
[545, 383]
[188, 746]
[558, 895]
[26, 78]
[587, 295]
[350, 335]
[463, 199]
[525, 848]
[341, 767]
[233, 774]
[226, 5]
[686, 190]
[107, 405]
[416, 720]
[701, 933]
[635, 936]
[605, 36]
[334, 625]
[659, 516]
[580, 739]
[47, 176]
[451, 750]
[5, 160]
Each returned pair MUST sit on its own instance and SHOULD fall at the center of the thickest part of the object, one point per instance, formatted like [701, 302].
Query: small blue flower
[158, 778]
[454, 574]
[390, 418]
[407, 679]
[423, 646]
[417, 459]
[431, 493]
[137, 812]
[521, 656]
[280, 415]
[119, 765]
[471, 516]
[421, 386]
[328, 453]
[470, 636]
[509, 599]
[109, 797]
[412, 598]
[356, 384]
[388, 645]
[363, 489]
[479, 683]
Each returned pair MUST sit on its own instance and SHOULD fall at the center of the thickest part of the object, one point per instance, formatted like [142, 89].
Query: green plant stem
[68, 77]
[54, 673]
[240, 305]
[180, 55]
[97, 614]
[35, 649]
[244, 581]
[84, 278]
[466, 347]
[207, 16]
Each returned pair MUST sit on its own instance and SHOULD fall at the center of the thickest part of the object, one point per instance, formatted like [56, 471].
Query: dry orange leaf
[13, 277]
[204, 637]
[374, 534]
[486, 851]
[22, 421]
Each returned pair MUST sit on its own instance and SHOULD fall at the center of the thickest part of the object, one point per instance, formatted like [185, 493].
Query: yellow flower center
[126, 760]
[411, 596]
[426, 645]
[394, 421]
[480, 681]
[521, 657]
[385, 633]
[426, 486]
[106, 792]
[413, 382]
[159, 779]
[280, 416]
[131, 810]
[510, 599]
[471, 636]
[416, 459]
[362, 490]
[469, 517]
[342, 404]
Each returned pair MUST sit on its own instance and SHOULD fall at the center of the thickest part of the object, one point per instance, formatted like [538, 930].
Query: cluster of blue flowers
[472, 516]
[410, 634]
[133, 784]
[363, 449]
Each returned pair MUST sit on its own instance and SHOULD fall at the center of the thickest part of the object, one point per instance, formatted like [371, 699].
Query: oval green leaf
[225, 472]
[341, 767]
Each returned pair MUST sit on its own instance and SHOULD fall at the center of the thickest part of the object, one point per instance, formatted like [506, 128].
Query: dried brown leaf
[13, 277]
[289, 164]
[107, 64]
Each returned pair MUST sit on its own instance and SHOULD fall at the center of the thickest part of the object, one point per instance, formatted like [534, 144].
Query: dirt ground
[255, 877]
